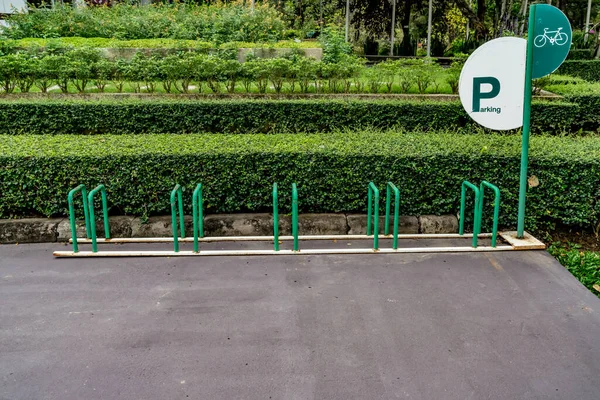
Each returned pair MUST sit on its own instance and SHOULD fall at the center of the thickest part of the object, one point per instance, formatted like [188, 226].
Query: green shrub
[332, 172]
[588, 117]
[334, 45]
[585, 69]
[10, 46]
[453, 74]
[387, 70]
[580, 54]
[9, 67]
[250, 116]
[103, 71]
[277, 69]
[584, 265]
[217, 24]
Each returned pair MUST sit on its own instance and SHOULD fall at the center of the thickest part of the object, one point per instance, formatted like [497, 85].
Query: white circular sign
[492, 83]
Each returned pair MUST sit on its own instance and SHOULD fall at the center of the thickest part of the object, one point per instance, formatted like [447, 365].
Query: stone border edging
[42, 230]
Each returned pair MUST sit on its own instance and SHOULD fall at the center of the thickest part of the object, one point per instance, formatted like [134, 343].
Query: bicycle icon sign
[553, 37]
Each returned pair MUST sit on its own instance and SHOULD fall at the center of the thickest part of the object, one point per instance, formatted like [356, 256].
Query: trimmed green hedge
[332, 172]
[588, 117]
[251, 116]
[585, 69]
[580, 54]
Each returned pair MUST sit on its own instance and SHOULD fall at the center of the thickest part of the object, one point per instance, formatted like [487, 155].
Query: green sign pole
[548, 43]
[526, 123]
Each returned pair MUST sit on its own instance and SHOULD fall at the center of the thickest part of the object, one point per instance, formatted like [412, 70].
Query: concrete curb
[40, 230]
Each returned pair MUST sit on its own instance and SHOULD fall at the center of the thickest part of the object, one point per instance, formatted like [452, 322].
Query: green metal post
[496, 207]
[369, 212]
[373, 196]
[198, 215]
[295, 215]
[388, 207]
[275, 218]
[476, 215]
[102, 190]
[177, 195]
[388, 199]
[526, 124]
[86, 214]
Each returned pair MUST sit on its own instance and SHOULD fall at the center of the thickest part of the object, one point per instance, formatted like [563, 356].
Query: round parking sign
[492, 83]
[551, 40]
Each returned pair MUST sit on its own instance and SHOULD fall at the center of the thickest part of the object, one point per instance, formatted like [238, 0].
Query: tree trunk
[406, 47]
[477, 19]
[299, 12]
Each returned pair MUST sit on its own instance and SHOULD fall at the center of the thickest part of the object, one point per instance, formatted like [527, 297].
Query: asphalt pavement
[511, 325]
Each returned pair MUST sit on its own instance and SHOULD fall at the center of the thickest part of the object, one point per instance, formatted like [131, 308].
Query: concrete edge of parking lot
[47, 230]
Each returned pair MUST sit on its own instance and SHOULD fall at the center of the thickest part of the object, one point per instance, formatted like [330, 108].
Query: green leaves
[584, 265]
[331, 169]
[45, 116]
[217, 24]
[585, 69]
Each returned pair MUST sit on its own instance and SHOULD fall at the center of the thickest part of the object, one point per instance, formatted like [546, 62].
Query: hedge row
[251, 116]
[581, 54]
[332, 172]
[585, 69]
[588, 113]
[65, 42]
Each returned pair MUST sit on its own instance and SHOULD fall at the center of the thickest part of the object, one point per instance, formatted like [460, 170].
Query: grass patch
[584, 265]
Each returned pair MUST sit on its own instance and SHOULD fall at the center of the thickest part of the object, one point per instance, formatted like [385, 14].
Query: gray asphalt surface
[511, 325]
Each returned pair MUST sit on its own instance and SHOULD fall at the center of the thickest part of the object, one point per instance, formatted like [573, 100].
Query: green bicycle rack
[390, 187]
[373, 198]
[198, 215]
[478, 209]
[482, 187]
[177, 192]
[275, 218]
[72, 193]
[295, 216]
[102, 190]
[476, 219]
[373, 215]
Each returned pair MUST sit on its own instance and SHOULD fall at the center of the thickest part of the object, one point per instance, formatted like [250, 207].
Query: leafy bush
[332, 171]
[585, 69]
[277, 69]
[11, 46]
[334, 45]
[588, 117]
[251, 116]
[453, 73]
[387, 71]
[217, 24]
[580, 54]
[584, 265]
[8, 73]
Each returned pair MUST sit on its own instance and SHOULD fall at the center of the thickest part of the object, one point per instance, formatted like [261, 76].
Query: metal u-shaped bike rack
[176, 201]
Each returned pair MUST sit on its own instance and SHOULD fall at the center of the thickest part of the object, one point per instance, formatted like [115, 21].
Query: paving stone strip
[44, 230]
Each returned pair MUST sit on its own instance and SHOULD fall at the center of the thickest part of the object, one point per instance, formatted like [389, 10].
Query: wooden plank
[281, 238]
[281, 252]
[527, 243]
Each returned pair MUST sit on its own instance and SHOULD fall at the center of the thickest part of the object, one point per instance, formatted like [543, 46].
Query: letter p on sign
[492, 84]
[477, 90]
